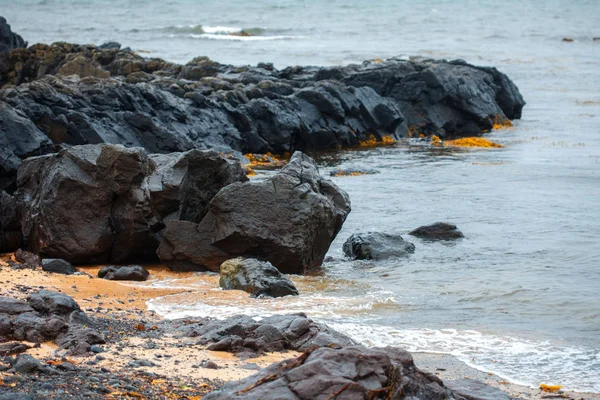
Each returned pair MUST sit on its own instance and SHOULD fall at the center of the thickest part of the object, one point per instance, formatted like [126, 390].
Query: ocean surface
[520, 294]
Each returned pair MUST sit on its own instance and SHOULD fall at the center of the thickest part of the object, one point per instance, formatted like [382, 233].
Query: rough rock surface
[124, 273]
[10, 224]
[78, 94]
[46, 316]
[8, 39]
[58, 266]
[123, 198]
[438, 231]
[376, 246]
[471, 389]
[242, 334]
[29, 259]
[289, 220]
[259, 278]
[349, 373]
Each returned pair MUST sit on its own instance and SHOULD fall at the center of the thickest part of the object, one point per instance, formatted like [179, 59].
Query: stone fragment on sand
[26, 363]
[438, 231]
[124, 273]
[58, 266]
[289, 220]
[471, 389]
[376, 246]
[30, 259]
[259, 278]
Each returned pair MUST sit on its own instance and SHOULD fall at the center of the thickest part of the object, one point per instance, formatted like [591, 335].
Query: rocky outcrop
[259, 278]
[352, 372]
[376, 246]
[122, 198]
[438, 231]
[10, 224]
[243, 334]
[8, 39]
[58, 266]
[289, 220]
[82, 94]
[124, 273]
[46, 316]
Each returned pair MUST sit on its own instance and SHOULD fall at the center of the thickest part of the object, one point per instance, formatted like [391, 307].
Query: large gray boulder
[376, 246]
[259, 278]
[348, 373]
[289, 220]
[124, 273]
[108, 203]
[10, 224]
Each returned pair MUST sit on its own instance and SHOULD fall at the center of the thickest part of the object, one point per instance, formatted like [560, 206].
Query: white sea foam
[518, 360]
[220, 29]
[211, 36]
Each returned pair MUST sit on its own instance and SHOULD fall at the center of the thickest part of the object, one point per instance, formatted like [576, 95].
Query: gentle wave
[211, 36]
[521, 361]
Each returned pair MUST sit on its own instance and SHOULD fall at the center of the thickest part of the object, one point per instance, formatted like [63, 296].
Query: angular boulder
[124, 273]
[349, 373]
[376, 246]
[289, 220]
[259, 278]
[122, 198]
[438, 231]
[58, 266]
[10, 224]
[28, 258]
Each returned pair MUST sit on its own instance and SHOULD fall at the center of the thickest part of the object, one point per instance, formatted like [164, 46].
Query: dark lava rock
[438, 231]
[242, 334]
[122, 197]
[58, 266]
[376, 246]
[259, 278]
[9, 349]
[126, 273]
[28, 258]
[289, 220]
[8, 39]
[12, 306]
[15, 396]
[348, 373]
[26, 364]
[471, 389]
[10, 224]
[48, 302]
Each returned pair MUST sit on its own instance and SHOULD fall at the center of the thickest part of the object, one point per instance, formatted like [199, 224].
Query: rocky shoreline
[109, 158]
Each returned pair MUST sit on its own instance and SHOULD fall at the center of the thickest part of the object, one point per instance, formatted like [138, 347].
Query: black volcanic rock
[438, 231]
[10, 224]
[8, 39]
[289, 220]
[376, 246]
[259, 278]
[124, 273]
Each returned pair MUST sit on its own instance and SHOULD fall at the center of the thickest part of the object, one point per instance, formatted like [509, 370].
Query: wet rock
[126, 273]
[471, 389]
[259, 278]
[8, 39]
[353, 171]
[10, 224]
[438, 231]
[122, 196]
[305, 214]
[110, 45]
[26, 364]
[242, 334]
[58, 266]
[28, 258]
[349, 373]
[376, 246]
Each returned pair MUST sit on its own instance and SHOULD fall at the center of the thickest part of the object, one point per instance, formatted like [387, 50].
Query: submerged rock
[289, 220]
[124, 273]
[58, 266]
[376, 246]
[243, 334]
[438, 231]
[259, 278]
[354, 372]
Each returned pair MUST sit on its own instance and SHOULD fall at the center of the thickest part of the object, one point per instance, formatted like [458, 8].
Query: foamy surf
[232, 37]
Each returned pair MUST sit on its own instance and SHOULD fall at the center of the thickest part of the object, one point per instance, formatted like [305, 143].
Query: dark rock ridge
[376, 246]
[10, 226]
[259, 278]
[242, 334]
[80, 94]
[47, 316]
[124, 273]
[8, 39]
[349, 373]
[108, 203]
[438, 231]
[289, 220]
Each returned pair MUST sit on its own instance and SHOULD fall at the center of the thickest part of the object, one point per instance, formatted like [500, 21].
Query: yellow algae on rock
[436, 141]
[501, 122]
[372, 141]
[471, 142]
